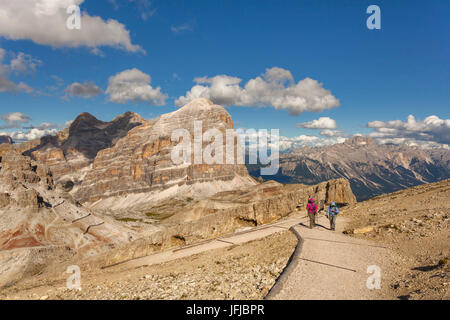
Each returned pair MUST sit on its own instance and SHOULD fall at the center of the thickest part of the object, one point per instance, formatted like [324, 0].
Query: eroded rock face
[337, 190]
[16, 173]
[74, 149]
[141, 161]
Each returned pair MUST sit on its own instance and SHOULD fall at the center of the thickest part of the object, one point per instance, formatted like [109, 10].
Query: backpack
[311, 207]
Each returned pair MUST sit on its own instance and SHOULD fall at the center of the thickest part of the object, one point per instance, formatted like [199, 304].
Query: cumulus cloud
[276, 88]
[301, 141]
[14, 120]
[287, 144]
[321, 123]
[21, 136]
[430, 131]
[134, 85]
[7, 85]
[333, 133]
[24, 63]
[43, 126]
[20, 63]
[145, 8]
[44, 22]
[84, 90]
[182, 28]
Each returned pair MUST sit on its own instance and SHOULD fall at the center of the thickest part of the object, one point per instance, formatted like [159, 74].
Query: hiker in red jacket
[312, 211]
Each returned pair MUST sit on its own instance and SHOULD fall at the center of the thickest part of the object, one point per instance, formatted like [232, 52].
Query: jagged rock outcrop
[337, 190]
[140, 162]
[16, 171]
[6, 139]
[372, 169]
[72, 150]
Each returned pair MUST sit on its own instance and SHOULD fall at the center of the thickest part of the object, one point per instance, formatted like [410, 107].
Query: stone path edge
[290, 267]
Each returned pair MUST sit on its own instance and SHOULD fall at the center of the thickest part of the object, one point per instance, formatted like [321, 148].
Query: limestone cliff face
[141, 161]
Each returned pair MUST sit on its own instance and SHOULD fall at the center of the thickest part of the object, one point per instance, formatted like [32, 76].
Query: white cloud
[24, 63]
[333, 133]
[321, 123]
[134, 85]
[84, 90]
[181, 28]
[32, 134]
[7, 85]
[44, 22]
[14, 119]
[145, 8]
[287, 144]
[43, 126]
[290, 143]
[430, 131]
[276, 88]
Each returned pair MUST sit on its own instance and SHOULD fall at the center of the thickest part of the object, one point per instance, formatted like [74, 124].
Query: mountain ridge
[371, 168]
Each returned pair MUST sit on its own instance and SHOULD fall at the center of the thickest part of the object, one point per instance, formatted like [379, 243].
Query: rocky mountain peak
[199, 108]
[199, 103]
[84, 121]
[6, 139]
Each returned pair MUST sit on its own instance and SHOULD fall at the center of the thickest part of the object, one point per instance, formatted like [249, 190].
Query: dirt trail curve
[221, 242]
[326, 264]
[331, 265]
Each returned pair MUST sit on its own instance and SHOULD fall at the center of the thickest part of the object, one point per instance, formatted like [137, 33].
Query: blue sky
[377, 75]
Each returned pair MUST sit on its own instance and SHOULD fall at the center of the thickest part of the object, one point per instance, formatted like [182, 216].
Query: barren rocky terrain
[246, 271]
[415, 223]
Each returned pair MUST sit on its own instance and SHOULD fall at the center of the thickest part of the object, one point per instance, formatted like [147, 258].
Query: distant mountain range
[372, 169]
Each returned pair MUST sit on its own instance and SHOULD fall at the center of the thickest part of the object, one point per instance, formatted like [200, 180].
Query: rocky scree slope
[415, 222]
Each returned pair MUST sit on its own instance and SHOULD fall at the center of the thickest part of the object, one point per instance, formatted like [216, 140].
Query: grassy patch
[151, 214]
[128, 220]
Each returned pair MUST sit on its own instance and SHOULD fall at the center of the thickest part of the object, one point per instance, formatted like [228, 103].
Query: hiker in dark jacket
[312, 211]
[331, 214]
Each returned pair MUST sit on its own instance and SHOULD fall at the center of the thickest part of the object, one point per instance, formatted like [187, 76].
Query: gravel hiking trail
[330, 265]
